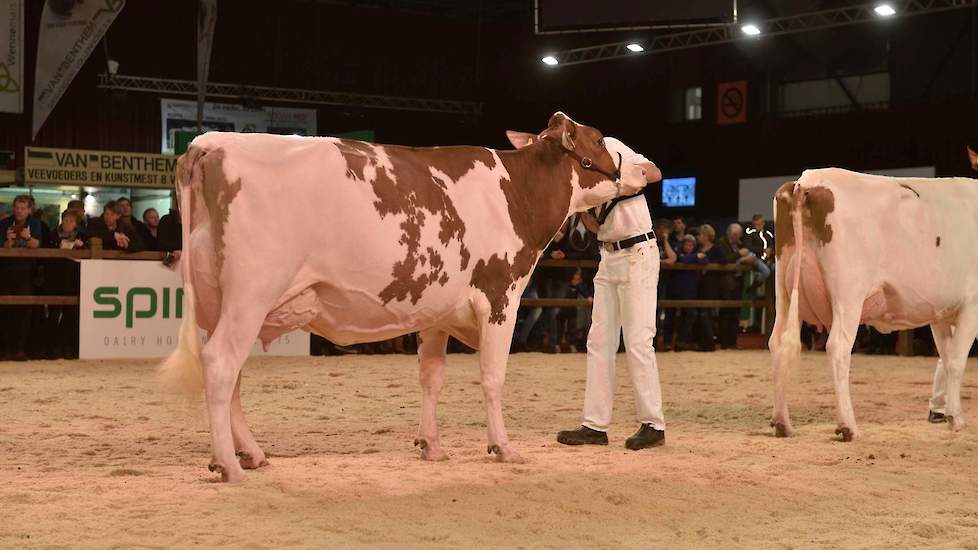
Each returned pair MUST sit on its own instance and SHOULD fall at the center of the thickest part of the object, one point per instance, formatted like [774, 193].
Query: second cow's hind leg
[431, 361]
[841, 338]
[250, 454]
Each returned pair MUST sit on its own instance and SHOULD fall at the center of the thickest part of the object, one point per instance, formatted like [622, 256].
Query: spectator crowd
[51, 331]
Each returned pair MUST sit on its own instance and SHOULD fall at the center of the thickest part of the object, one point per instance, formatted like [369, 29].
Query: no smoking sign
[732, 102]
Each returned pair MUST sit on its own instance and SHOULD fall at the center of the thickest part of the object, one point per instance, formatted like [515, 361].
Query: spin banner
[70, 30]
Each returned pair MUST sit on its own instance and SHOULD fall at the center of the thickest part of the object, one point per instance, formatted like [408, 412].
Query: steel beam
[805, 22]
[239, 92]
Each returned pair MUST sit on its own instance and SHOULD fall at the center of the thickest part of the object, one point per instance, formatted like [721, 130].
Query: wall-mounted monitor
[678, 192]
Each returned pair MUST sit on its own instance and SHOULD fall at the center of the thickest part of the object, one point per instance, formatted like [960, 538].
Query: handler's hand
[590, 222]
[632, 179]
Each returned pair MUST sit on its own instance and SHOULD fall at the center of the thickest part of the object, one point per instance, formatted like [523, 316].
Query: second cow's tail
[787, 353]
[791, 337]
[182, 371]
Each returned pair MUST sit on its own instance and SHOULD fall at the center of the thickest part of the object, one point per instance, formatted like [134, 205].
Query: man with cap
[624, 301]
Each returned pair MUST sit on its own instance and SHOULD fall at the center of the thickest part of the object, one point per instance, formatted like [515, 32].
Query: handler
[624, 297]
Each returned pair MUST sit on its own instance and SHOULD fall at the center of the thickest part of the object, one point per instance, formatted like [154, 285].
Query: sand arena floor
[92, 456]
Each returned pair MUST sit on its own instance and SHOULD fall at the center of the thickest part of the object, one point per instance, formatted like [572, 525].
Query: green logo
[7, 82]
[140, 303]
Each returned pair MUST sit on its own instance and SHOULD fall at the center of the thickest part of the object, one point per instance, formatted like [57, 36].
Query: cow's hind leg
[222, 358]
[785, 351]
[958, 346]
[249, 453]
[841, 337]
[431, 361]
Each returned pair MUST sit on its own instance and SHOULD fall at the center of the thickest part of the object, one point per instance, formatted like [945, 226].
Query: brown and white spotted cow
[893, 253]
[359, 242]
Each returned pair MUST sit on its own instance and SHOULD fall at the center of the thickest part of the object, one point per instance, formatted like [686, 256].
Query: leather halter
[586, 162]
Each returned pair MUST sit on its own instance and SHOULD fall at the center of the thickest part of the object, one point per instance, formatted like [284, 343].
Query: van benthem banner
[11, 56]
[79, 167]
[133, 309]
[70, 30]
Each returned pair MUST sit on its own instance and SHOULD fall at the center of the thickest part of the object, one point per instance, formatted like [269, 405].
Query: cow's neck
[538, 191]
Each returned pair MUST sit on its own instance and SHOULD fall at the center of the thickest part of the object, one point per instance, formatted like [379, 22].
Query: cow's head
[597, 177]
[973, 157]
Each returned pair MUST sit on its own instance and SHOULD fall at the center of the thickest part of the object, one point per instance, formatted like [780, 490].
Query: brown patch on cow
[819, 203]
[496, 277]
[538, 194]
[218, 193]
[973, 158]
[409, 189]
[356, 154]
[784, 230]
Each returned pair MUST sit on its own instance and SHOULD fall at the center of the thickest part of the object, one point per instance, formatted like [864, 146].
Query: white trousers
[624, 298]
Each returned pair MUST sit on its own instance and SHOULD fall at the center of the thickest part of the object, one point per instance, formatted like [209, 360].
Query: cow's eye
[601, 142]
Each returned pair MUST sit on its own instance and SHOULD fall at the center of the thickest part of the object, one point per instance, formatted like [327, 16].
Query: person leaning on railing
[114, 234]
[61, 278]
[21, 230]
[709, 287]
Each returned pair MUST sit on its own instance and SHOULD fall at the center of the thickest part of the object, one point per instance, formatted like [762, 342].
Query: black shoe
[646, 437]
[936, 417]
[582, 436]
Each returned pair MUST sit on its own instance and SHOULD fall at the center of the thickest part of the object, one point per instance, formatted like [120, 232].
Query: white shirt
[629, 217]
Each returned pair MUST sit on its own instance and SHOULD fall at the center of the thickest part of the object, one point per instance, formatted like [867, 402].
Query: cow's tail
[787, 354]
[182, 371]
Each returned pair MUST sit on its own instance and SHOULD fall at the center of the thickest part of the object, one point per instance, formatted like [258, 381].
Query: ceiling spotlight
[549, 60]
[885, 10]
[635, 47]
[751, 30]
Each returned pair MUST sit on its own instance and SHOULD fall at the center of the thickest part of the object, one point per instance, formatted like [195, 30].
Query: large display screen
[678, 192]
[592, 15]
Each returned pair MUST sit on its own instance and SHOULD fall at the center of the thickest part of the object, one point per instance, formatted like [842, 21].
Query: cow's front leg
[957, 357]
[496, 334]
[431, 360]
[839, 348]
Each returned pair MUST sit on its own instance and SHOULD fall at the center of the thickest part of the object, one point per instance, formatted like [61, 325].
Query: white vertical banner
[11, 56]
[206, 20]
[70, 30]
[133, 309]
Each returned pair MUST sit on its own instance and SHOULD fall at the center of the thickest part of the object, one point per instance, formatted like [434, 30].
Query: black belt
[629, 242]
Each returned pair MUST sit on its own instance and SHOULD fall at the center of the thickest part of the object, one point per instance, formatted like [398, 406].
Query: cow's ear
[973, 157]
[520, 139]
[563, 128]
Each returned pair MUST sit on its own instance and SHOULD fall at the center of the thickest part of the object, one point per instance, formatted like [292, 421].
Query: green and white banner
[133, 309]
[179, 114]
[11, 56]
[69, 32]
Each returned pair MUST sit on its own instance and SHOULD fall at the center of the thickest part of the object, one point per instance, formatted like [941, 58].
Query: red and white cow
[359, 242]
[893, 253]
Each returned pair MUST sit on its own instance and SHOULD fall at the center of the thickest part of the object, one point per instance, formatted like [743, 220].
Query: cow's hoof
[505, 455]
[782, 429]
[956, 423]
[227, 475]
[249, 461]
[845, 433]
[432, 453]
